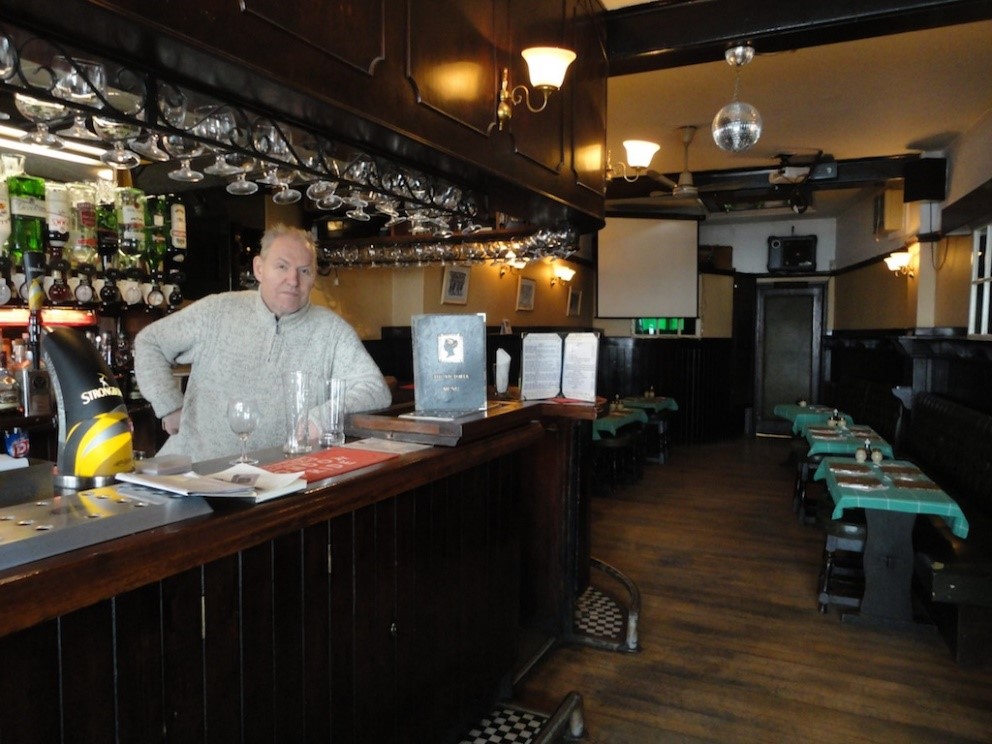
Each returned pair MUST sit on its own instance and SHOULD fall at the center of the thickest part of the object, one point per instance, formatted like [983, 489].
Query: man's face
[285, 276]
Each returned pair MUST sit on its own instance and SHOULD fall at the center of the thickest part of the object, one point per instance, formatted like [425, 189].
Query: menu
[332, 461]
[554, 365]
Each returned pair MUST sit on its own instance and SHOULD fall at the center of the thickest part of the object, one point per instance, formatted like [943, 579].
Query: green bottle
[27, 216]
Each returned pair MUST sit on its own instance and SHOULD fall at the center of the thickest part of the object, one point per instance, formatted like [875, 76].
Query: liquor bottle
[6, 292]
[82, 246]
[177, 231]
[85, 293]
[4, 217]
[57, 217]
[10, 389]
[176, 295]
[27, 215]
[106, 234]
[130, 206]
[156, 232]
[60, 293]
[110, 294]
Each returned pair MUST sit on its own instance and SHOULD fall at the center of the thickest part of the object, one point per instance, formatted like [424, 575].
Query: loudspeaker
[924, 180]
[792, 253]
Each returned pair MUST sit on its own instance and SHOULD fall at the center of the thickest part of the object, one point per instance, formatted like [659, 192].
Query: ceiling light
[737, 126]
[72, 152]
[546, 67]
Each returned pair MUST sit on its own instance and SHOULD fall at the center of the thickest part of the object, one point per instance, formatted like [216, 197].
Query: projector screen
[647, 268]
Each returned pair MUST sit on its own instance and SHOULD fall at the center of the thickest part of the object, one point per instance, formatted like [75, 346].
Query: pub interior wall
[874, 299]
[750, 240]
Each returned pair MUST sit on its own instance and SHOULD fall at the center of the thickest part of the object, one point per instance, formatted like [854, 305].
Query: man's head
[285, 268]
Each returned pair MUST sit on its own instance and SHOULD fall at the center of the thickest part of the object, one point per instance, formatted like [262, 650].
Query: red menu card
[332, 461]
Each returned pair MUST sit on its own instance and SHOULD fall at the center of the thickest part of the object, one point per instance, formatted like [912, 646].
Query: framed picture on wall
[526, 289]
[454, 288]
[574, 306]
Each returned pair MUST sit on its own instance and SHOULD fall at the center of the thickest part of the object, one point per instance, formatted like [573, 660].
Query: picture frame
[526, 289]
[574, 306]
[454, 287]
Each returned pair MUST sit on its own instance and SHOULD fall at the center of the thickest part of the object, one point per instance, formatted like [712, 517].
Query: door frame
[814, 290]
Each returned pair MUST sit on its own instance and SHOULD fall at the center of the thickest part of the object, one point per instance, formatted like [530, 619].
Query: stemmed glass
[241, 186]
[42, 113]
[119, 132]
[8, 63]
[172, 107]
[184, 148]
[217, 124]
[242, 417]
[79, 81]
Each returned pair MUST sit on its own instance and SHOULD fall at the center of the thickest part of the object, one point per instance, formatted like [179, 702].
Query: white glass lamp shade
[547, 65]
[897, 261]
[736, 127]
[564, 273]
[639, 152]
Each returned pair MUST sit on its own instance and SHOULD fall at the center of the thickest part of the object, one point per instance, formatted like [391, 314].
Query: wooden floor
[732, 646]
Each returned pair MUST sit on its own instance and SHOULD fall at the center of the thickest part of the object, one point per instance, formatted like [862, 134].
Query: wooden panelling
[452, 63]
[587, 95]
[698, 373]
[329, 27]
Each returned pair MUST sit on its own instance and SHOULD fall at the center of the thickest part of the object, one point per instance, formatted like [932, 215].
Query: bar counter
[380, 605]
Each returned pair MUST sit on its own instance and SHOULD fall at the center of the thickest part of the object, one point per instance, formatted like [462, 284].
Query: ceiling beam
[657, 36]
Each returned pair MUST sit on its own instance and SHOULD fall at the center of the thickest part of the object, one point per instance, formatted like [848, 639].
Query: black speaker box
[924, 180]
[792, 253]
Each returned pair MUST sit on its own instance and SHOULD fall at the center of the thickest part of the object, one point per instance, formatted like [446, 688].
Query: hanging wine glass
[117, 133]
[216, 124]
[185, 149]
[283, 177]
[79, 81]
[40, 113]
[172, 109]
[241, 186]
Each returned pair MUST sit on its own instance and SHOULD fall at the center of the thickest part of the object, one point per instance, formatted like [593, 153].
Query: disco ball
[736, 127]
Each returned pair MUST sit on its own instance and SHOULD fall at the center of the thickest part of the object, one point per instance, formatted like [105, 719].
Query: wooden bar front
[381, 606]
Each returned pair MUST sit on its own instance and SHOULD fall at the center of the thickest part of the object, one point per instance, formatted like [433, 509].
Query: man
[240, 344]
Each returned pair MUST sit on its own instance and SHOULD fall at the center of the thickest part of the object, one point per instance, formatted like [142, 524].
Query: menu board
[553, 365]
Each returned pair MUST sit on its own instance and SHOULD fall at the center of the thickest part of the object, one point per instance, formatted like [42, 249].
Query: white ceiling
[892, 95]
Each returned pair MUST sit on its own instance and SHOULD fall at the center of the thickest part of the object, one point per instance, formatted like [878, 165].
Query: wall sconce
[639, 155]
[510, 261]
[899, 263]
[562, 274]
[546, 67]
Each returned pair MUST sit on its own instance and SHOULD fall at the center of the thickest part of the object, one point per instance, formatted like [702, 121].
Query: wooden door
[787, 360]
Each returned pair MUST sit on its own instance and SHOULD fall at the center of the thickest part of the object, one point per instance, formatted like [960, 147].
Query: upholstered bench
[953, 445]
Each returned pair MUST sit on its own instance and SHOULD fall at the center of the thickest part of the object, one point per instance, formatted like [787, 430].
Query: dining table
[891, 493]
[845, 440]
[616, 419]
[658, 409]
[802, 416]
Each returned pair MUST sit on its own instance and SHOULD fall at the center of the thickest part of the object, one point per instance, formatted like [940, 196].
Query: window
[981, 283]
[664, 326]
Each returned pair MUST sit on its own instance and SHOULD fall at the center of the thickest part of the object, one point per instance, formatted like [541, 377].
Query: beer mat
[862, 483]
[850, 468]
[326, 463]
[901, 470]
[915, 485]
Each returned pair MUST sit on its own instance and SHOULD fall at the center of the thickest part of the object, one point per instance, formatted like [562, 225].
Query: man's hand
[170, 421]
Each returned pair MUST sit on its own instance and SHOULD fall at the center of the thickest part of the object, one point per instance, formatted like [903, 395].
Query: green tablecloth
[803, 416]
[612, 422]
[898, 486]
[825, 440]
[657, 404]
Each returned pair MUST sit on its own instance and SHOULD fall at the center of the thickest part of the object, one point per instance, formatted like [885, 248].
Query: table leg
[888, 567]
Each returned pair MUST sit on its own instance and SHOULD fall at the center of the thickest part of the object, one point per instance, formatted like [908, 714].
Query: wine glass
[41, 113]
[172, 108]
[79, 81]
[217, 124]
[184, 148]
[242, 417]
[241, 186]
[118, 132]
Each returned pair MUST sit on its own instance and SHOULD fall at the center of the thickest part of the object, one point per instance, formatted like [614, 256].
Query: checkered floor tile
[597, 614]
[506, 725]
